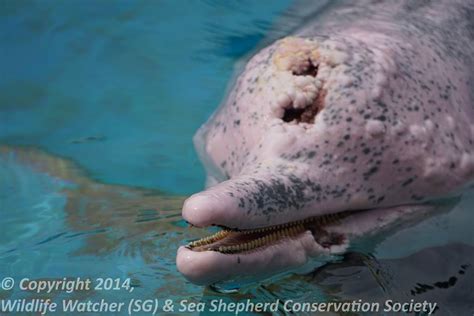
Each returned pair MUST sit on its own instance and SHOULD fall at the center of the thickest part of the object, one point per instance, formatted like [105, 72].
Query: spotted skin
[369, 106]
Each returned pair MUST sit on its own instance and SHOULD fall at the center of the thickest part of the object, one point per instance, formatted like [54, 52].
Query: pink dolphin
[356, 121]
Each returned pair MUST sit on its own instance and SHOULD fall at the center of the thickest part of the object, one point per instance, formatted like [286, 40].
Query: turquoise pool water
[98, 104]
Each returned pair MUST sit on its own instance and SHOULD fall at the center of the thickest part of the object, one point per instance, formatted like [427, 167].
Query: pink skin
[391, 125]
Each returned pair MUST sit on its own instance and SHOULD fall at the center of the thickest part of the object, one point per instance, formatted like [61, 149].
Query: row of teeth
[265, 240]
[210, 239]
[321, 220]
[279, 231]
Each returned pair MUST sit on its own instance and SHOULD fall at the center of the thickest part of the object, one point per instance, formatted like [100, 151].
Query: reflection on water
[59, 222]
[443, 274]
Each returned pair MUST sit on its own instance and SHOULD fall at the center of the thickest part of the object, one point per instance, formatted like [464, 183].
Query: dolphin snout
[217, 205]
[261, 200]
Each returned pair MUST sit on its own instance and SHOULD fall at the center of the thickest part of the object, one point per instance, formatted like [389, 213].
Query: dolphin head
[318, 140]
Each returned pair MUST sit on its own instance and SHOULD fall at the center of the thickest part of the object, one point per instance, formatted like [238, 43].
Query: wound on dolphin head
[307, 114]
[309, 70]
[301, 58]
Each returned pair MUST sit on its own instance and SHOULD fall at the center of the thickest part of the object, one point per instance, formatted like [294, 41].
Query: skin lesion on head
[300, 60]
[308, 114]
[296, 54]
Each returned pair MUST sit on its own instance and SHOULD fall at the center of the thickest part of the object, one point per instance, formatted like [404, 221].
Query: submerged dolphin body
[354, 122]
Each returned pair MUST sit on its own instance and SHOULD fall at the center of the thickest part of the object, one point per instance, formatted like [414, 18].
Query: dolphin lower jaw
[210, 267]
[233, 254]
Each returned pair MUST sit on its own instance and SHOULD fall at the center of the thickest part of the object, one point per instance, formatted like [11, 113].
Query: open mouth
[238, 254]
[235, 241]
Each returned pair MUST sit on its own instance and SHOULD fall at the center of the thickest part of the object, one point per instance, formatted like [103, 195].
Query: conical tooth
[276, 236]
